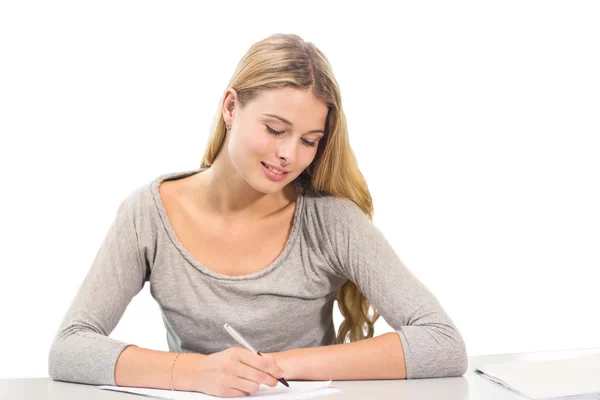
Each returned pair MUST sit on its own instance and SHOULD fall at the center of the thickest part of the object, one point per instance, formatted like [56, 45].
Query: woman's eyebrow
[285, 121]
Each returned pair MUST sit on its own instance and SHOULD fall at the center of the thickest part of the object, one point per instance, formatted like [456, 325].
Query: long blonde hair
[286, 60]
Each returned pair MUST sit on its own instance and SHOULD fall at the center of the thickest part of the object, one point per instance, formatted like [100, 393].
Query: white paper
[297, 390]
[571, 378]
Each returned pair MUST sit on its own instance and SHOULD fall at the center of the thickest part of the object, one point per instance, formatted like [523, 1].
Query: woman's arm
[82, 350]
[142, 367]
[379, 357]
[430, 344]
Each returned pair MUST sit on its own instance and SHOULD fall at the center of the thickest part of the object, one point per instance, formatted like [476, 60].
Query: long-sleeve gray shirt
[287, 305]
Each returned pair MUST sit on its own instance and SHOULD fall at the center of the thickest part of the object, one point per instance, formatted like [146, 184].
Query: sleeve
[81, 350]
[433, 346]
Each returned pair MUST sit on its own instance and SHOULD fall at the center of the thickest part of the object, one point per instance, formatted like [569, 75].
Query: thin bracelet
[172, 365]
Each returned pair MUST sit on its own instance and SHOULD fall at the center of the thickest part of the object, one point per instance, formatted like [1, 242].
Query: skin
[232, 217]
[235, 186]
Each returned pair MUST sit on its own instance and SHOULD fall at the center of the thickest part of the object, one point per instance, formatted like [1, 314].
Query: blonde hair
[286, 60]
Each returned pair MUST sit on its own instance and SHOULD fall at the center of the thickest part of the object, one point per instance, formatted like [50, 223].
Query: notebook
[565, 379]
[297, 390]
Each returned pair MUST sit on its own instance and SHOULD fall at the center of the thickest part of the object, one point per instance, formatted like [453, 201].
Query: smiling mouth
[271, 169]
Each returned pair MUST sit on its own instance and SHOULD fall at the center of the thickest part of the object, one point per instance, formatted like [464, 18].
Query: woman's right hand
[234, 372]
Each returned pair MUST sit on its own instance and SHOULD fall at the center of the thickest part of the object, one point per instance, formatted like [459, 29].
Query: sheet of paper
[570, 378]
[297, 390]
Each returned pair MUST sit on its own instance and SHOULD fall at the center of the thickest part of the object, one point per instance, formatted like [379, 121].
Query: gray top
[287, 305]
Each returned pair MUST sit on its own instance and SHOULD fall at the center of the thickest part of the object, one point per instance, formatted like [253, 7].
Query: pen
[240, 339]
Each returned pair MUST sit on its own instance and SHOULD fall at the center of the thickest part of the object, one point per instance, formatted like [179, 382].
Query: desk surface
[469, 386]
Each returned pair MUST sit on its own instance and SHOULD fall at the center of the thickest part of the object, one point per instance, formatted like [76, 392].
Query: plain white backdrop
[476, 125]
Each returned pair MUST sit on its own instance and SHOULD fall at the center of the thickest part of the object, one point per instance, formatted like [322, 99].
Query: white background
[476, 125]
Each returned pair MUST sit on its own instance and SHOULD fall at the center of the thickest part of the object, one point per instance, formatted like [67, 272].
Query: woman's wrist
[186, 371]
[289, 362]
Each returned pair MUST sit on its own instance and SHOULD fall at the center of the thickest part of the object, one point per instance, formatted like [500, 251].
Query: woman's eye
[277, 133]
[272, 131]
[309, 143]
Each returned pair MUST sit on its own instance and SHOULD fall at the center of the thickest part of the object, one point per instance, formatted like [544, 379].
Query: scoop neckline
[296, 221]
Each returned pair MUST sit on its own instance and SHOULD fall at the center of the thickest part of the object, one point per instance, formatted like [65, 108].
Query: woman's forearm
[380, 357]
[140, 367]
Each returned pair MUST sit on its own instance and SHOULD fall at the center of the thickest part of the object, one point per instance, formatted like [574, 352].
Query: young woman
[274, 226]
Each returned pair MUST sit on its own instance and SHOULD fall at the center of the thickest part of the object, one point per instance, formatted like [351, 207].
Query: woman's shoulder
[144, 199]
[328, 208]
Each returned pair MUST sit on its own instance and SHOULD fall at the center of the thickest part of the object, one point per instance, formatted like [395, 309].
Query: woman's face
[258, 138]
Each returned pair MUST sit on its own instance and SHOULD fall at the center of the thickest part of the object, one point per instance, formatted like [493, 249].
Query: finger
[265, 363]
[228, 386]
[252, 374]
[244, 385]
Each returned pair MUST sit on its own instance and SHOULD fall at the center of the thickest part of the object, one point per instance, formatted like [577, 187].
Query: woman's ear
[228, 106]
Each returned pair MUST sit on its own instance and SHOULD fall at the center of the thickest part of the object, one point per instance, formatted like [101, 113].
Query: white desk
[469, 386]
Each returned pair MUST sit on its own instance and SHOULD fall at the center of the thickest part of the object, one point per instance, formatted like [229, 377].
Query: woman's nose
[286, 151]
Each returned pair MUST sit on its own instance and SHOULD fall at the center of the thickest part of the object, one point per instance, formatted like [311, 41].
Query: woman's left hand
[288, 363]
